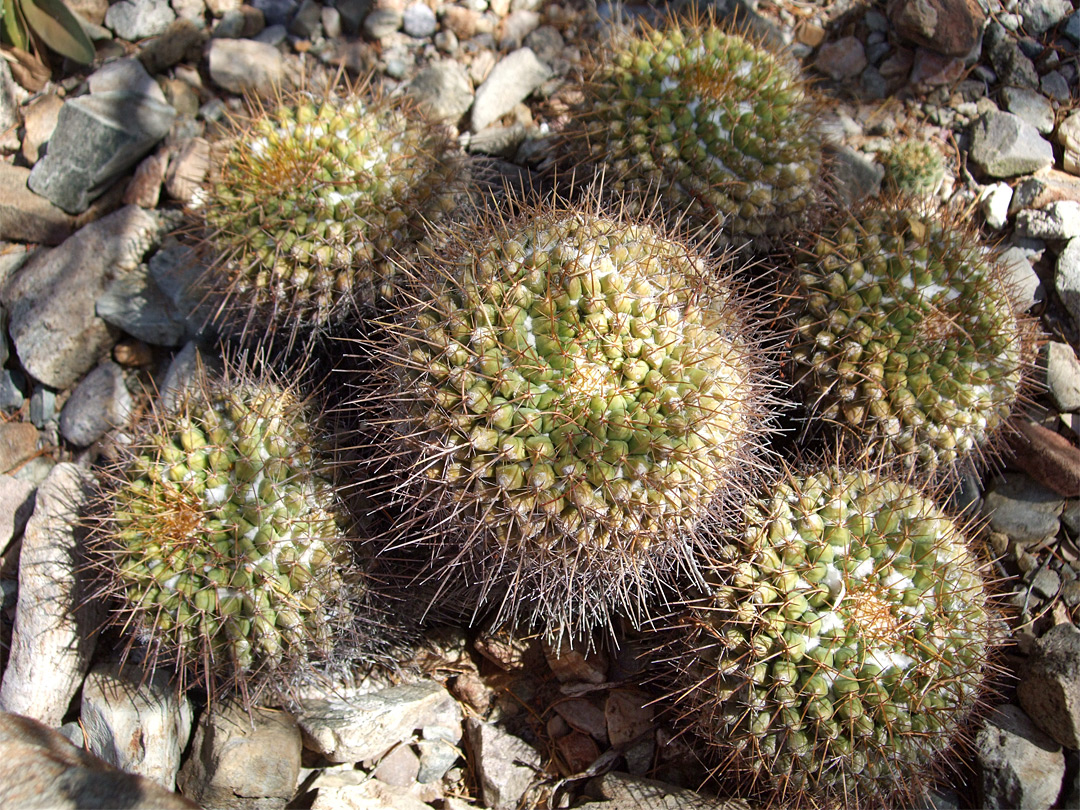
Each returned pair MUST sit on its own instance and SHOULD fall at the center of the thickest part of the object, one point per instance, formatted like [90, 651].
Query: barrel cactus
[914, 168]
[310, 199]
[709, 123]
[222, 540]
[907, 334]
[842, 646]
[575, 400]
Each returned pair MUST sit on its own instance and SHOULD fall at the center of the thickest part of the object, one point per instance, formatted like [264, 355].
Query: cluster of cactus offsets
[223, 541]
[845, 646]
[914, 168]
[718, 126]
[312, 198]
[580, 399]
[906, 333]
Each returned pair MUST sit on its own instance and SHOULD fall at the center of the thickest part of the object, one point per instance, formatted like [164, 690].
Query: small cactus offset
[707, 123]
[221, 540]
[574, 400]
[311, 199]
[842, 646]
[906, 334]
[914, 168]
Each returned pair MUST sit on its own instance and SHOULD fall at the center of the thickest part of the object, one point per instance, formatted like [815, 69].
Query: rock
[516, 27]
[497, 141]
[620, 791]
[578, 751]
[1004, 145]
[144, 190]
[1031, 106]
[1063, 376]
[26, 216]
[581, 715]
[355, 727]
[308, 20]
[276, 12]
[1049, 688]
[242, 23]
[245, 66]
[1021, 508]
[16, 506]
[398, 767]
[99, 402]
[12, 389]
[53, 637]
[855, 176]
[125, 75]
[41, 770]
[1019, 766]
[506, 766]
[438, 752]
[1041, 15]
[994, 202]
[510, 82]
[443, 90]
[39, 121]
[51, 299]
[1059, 220]
[949, 27]
[547, 43]
[181, 40]
[1056, 86]
[18, 443]
[138, 724]
[461, 21]
[841, 59]
[574, 665]
[330, 19]
[243, 760]
[1043, 189]
[932, 69]
[1067, 278]
[629, 716]
[9, 110]
[1010, 64]
[382, 22]
[1068, 135]
[352, 14]
[136, 19]
[98, 138]
[371, 794]
[137, 305]
[419, 21]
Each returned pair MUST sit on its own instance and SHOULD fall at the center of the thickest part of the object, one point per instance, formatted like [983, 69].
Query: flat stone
[419, 21]
[371, 794]
[135, 19]
[510, 82]
[18, 443]
[574, 665]
[629, 716]
[382, 22]
[137, 305]
[620, 791]
[1059, 220]
[1067, 278]
[244, 65]
[136, 723]
[101, 401]
[1041, 15]
[1049, 688]
[1022, 508]
[98, 138]
[53, 637]
[1047, 457]
[26, 216]
[841, 59]
[40, 768]
[950, 27]
[1019, 766]
[506, 766]
[144, 190]
[581, 715]
[443, 90]
[39, 121]
[1004, 145]
[16, 506]
[352, 728]
[51, 299]
[125, 75]
[1033, 107]
[1063, 376]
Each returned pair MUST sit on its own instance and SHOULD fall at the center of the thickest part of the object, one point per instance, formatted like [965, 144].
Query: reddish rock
[144, 190]
[1047, 457]
[932, 69]
[949, 27]
[842, 59]
[578, 751]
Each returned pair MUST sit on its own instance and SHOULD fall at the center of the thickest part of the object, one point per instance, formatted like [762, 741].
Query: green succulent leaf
[14, 29]
[58, 28]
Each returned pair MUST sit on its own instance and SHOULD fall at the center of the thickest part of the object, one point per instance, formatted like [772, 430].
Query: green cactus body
[718, 128]
[906, 334]
[846, 644]
[914, 168]
[312, 198]
[225, 545]
[582, 398]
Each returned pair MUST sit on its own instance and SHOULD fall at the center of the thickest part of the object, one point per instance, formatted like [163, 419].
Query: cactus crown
[843, 646]
[914, 167]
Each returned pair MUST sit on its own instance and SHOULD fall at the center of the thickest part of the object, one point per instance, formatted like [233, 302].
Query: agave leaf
[58, 28]
[14, 26]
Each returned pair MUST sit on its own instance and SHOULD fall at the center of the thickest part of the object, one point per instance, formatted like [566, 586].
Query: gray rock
[126, 75]
[51, 300]
[98, 138]
[242, 760]
[1011, 65]
[547, 43]
[276, 12]
[382, 22]
[1022, 508]
[136, 723]
[53, 637]
[497, 141]
[26, 216]
[516, 27]
[35, 471]
[1067, 278]
[9, 110]
[1041, 15]
[40, 769]
[308, 20]
[1063, 376]
[180, 374]
[1072, 28]
[355, 727]
[352, 14]
[443, 90]
[192, 10]
[505, 765]
[16, 506]
[100, 402]
[1004, 145]
[620, 791]
[1056, 86]
[1031, 106]
[244, 65]
[42, 406]
[419, 21]
[1049, 688]
[510, 82]
[439, 750]
[855, 175]
[330, 19]
[371, 794]
[272, 35]
[1019, 766]
[12, 389]
[1058, 221]
[994, 202]
[137, 19]
[135, 304]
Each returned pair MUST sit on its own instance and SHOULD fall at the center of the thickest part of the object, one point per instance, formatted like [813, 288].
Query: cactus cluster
[844, 644]
[914, 168]
[579, 396]
[311, 199]
[707, 123]
[906, 333]
[223, 539]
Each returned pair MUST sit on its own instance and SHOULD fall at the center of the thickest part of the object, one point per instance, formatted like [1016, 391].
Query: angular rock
[98, 138]
[856, 176]
[51, 299]
[125, 75]
[26, 216]
[620, 791]
[137, 305]
[352, 728]
[244, 65]
[1059, 220]
[1004, 145]
[510, 82]
[382, 22]
[41, 770]
[242, 761]
[629, 716]
[9, 110]
[1041, 15]
[18, 443]
[144, 190]
[1010, 64]
[994, 202]
[1063, 376]
[505, 765]
[1033, 107]
[1067, 278]
[16, 506]
[439, 750]
[1019, 766]
[443, 90]
[842, 59]
[53, 637]
[135, 19]
[39, 121]
[1043, 189]
[1022, 508]
[188, 169]
[949, 27]
[1049, 688]
[99, 402]
[138, 724]
[308, 20]
[583, 716]
[370, 794]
